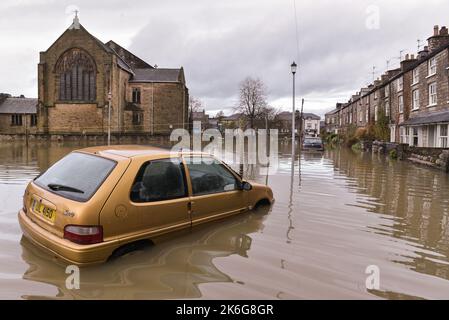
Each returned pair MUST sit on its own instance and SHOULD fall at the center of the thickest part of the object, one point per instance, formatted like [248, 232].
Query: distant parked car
[312, 144]
[98, 201]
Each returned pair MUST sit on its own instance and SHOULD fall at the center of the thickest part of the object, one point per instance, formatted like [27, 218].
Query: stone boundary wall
[437, 158]
[100, 138]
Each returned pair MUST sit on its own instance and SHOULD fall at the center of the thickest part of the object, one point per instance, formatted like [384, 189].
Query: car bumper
[63, 249]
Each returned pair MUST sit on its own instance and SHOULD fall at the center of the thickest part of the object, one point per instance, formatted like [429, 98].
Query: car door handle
[189, 206]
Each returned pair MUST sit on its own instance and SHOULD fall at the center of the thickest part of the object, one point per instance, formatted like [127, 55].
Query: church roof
[128, 57]
[156, 75]
[18, 105]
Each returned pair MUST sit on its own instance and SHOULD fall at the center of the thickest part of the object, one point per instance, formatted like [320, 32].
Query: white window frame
[401, 104]
[387, 108]
[443, 140]
[376, 111]
[387, 91]
[415, 76]
[413, 136]
[400, 84]
[433, 94]
[432, 66]
[415, 99]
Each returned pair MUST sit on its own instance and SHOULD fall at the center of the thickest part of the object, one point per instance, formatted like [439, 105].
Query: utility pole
[109, 117]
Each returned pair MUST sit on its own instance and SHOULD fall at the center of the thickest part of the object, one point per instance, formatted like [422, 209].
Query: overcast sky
[219, 43]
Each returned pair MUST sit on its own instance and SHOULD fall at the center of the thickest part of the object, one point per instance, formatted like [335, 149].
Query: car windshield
[76, 176]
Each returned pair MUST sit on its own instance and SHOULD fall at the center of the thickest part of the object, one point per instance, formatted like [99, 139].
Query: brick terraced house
[79, 76]
[414, 97]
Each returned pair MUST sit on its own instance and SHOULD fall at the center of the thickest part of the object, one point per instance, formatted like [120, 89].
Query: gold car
[98, 202]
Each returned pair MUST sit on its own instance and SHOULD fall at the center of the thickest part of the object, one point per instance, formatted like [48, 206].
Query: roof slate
[18, 105]
[428, 118]
[156, 75]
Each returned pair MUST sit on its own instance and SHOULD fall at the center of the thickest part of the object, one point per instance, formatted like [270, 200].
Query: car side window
[210, 176]
[159, 180]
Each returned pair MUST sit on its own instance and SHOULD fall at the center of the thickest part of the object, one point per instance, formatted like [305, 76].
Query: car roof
[134, 151]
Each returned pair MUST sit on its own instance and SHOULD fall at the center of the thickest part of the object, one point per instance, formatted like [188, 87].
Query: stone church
[79, 76]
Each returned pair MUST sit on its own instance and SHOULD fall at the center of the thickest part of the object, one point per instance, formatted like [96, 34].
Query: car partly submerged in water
[312, 144]
[99, 202]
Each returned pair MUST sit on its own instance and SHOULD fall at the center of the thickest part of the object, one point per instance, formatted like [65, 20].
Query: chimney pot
[444, 31]
[406, 56]
[412, 57]
[435, 30]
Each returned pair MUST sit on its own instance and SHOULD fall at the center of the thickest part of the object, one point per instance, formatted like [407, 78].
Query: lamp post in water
[293, 69]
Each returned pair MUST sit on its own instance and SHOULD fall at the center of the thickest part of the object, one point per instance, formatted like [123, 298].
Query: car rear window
[77, 176]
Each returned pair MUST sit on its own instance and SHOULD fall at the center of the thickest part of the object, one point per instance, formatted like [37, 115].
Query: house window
[137, 118]
[367, 116]
[415, 76]
[432, 94]
[33, 120]
[443, 135]
[400, 83]
[136, 95]
[401, 104]
[360, 116]
[376, 111]
[16, 120]
[375, 94]
[407, 135]
[415, 102]
[432, 66]
[415, 136]
[386, 91]
[76, 76]
[387, 108]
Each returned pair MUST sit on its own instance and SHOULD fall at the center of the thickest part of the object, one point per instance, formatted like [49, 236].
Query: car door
[154, 199]
[215, 190]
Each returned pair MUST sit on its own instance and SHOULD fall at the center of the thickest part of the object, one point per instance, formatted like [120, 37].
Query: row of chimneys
[439, 39]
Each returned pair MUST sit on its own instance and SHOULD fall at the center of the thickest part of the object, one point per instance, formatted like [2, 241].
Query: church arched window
[76, 76]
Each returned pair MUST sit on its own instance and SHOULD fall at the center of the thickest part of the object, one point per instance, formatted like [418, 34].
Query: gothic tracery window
[76, 76]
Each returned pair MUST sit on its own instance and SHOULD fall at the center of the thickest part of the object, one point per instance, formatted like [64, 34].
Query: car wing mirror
[246, 186]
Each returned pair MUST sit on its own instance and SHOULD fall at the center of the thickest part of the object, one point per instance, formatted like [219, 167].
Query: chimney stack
[435, 30]
[409, 61]
[439, 39]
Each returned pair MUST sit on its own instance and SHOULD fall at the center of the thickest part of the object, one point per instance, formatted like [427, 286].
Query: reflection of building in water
[416, 196]
[169, 270]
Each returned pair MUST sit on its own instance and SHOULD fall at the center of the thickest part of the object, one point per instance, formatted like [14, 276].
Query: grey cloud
[221, 42]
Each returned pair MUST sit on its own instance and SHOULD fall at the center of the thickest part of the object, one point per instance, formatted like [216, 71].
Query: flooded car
[312, 144]
[101, 202]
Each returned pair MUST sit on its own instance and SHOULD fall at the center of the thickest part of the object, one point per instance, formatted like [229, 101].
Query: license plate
[46, 212]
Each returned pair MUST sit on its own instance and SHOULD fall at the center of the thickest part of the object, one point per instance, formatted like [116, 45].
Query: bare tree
[252, 99]
[220, 115]
[195, 104]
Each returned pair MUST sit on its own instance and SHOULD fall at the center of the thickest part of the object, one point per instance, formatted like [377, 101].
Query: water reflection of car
[174, 269]
[312, 144]
[100, 202]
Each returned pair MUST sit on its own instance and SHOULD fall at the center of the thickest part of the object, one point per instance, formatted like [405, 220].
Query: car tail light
[84, 234]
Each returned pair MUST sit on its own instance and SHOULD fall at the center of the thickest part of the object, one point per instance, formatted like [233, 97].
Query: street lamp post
[293, 69]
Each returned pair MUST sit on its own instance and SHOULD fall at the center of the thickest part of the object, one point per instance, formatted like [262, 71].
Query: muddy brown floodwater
[339, 213]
